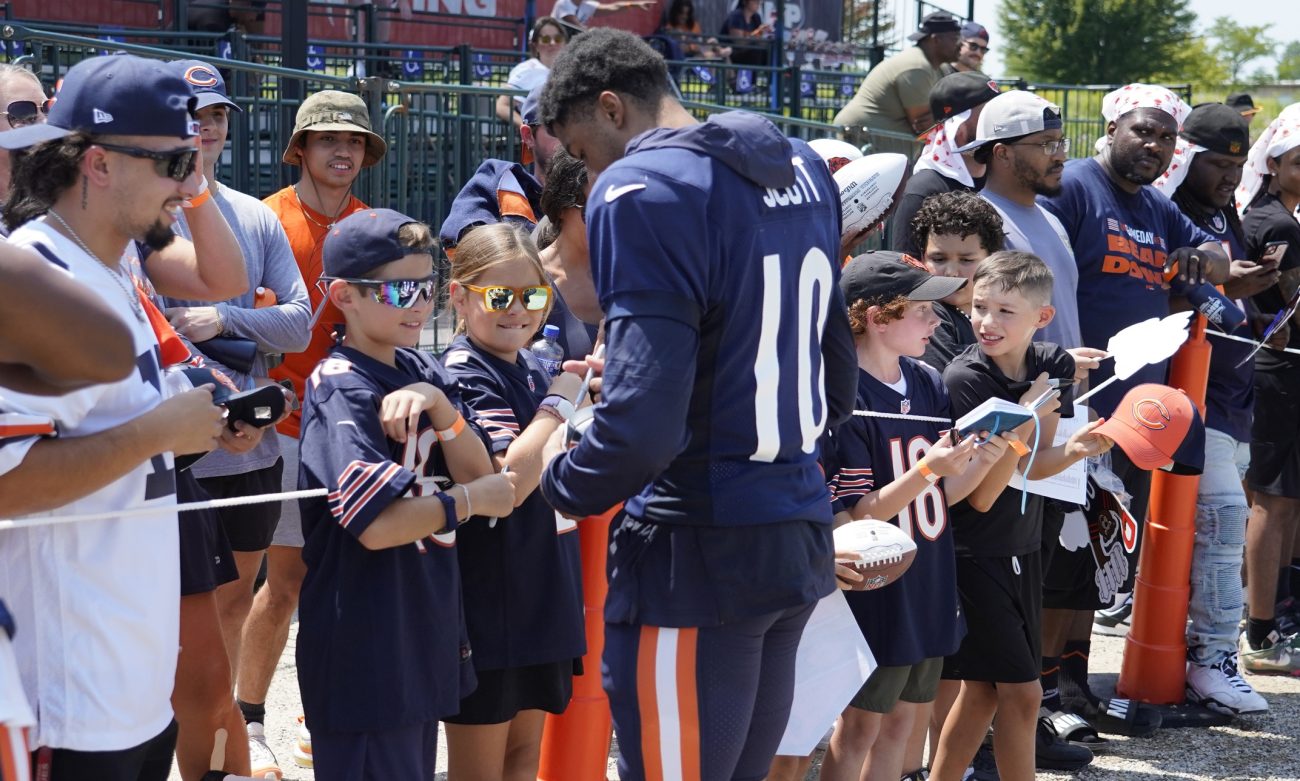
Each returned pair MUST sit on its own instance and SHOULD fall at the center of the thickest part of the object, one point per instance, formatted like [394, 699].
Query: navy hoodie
[499, 191]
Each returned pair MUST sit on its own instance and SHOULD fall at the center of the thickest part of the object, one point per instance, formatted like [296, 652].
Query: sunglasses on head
[498, 298]
[397, 293]
[175, 164]
[22, 113]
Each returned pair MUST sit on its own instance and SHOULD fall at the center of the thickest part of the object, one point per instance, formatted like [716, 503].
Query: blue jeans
[1221, 511]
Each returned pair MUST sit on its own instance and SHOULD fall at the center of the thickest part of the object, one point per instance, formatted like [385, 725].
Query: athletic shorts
[1003, 600]
[249, 526]
[206, 558]
[149, 761]
[917, 683]
[502, 694]
[409, 751]
[1275, 437]
[288, 532]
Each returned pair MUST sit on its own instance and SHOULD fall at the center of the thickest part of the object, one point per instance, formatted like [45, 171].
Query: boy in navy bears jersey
[521, 576]
[380, 649]
[728, 354]
[1211, 151]
[999, 570]
[908, 471]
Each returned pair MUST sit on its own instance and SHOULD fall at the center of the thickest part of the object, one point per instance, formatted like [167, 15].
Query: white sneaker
[302, 751]
[261, 758]
[1221, 688]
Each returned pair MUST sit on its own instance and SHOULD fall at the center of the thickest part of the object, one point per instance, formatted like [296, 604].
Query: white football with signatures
[886, 551]
[868, 188]
[835, 152]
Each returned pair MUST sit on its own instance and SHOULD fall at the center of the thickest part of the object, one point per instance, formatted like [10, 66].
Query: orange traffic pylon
[1155, 654]
[575, 744]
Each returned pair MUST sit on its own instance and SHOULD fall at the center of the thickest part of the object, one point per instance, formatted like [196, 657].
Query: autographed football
[885, 549]
[835, 152]
[869, 188]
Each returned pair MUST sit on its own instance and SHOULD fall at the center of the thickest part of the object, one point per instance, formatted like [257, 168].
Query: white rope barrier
[866, 413]
[136, 512]
[1251, 342]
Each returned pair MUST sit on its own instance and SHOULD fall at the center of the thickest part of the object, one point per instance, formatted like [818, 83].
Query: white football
[835, 152]
[885, 551]
[869, 188]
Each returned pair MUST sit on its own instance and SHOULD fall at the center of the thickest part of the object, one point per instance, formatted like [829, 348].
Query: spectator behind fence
[545, 41]
[22, 103]
[577, 13]
[970, 55]
[680, 24]
[748, 30]
[217, 16]
[1244, 105]
[895, 95]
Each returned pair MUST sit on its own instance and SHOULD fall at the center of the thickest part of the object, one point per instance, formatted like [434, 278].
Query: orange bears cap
[1157, 427]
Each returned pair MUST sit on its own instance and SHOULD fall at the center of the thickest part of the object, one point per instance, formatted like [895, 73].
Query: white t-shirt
[526, 76]
[583, 10]
[97, 604]
[14, 710]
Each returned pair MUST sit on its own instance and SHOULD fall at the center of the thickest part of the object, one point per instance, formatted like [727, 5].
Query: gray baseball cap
[1012, 115]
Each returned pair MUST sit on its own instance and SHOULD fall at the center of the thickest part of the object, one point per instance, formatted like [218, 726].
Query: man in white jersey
[98, 601]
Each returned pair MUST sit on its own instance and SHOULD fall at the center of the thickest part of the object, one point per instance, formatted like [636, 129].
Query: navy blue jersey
[972, 378]
[1120, 241]
[380, 640]
[714, 253]
[522, 578]
[917, 616]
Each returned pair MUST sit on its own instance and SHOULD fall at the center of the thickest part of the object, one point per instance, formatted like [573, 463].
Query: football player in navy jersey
[714, 256]
[908, 471]
[381, 654]
[521, 576]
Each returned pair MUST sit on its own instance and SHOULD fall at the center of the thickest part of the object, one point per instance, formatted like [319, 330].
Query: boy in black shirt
[997, 534]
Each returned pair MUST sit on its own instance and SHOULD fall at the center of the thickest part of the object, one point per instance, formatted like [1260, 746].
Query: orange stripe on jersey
[514, 204]
[171, 349]
[648, 702]
[29, 430]
[688, 703]
[15, 761]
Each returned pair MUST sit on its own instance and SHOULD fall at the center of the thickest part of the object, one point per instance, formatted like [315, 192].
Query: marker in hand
[492, 522]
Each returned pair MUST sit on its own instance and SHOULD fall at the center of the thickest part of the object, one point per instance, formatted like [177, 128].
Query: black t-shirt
[953, 335]
[922, 185]
[1269, 220]
[972, 378]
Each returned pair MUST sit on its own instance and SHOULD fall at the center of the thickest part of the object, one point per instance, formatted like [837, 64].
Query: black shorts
[149, 761]
[1275, 437]
[502, 694]
[250, 527]
[206, 558]
[1003, 600]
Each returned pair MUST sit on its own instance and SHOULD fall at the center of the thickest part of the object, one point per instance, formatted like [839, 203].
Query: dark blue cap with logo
[206, 81]
[120, 95]
[364, 241]
[529, 111]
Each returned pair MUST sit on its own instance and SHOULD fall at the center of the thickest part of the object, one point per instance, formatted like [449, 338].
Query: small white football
[835, 152]
[869, 187]
[886, 551]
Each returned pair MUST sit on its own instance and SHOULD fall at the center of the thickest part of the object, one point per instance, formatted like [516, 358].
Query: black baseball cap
[935, 23]
[364, 241]
[1218, 128]
[887, 275]
[958, 92]
[1242, 102]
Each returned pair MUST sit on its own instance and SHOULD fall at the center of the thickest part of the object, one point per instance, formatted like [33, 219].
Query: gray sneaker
[261, 758]
[1280, 655]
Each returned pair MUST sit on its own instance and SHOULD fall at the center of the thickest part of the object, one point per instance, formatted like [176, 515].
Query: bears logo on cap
[201, 76]
[1142, 413]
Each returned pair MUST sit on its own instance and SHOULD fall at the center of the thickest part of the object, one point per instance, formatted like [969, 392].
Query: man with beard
[99, 600]
[1127, 239]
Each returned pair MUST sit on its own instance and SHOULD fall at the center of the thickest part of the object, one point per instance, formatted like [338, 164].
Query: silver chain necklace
[128, 290]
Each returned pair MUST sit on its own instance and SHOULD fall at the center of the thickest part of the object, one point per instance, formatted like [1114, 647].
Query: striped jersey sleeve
[481, 392]
[855, 477]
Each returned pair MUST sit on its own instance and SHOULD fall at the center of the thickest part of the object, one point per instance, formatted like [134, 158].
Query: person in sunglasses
[544, 43]
[970, 54]
[23, 100]
[381, 649]
[99, 600]
[522, 577]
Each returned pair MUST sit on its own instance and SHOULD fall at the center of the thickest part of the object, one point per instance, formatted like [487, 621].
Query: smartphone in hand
[1274, 251]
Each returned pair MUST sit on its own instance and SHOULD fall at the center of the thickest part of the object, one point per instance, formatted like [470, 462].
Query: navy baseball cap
[206, 81]
[120, 94]
[530, 110]
[364, 241]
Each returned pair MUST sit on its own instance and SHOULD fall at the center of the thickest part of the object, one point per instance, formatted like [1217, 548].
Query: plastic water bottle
[548, 351]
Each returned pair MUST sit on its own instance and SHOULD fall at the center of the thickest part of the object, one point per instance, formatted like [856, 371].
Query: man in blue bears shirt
[713, 252]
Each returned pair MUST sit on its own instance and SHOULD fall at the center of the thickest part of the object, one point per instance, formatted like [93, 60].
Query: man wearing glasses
[99, 600]
[970, 56]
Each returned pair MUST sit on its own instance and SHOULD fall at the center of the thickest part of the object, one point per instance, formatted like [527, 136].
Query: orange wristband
[926, 471]
[448, 434]
[1020, 447]
[198, 200]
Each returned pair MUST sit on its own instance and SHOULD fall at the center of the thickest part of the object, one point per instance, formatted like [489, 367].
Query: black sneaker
[1052, 753]
[984, 767]
[1114, 621]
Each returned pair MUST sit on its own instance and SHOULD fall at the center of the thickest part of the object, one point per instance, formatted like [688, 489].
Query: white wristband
[560, 404]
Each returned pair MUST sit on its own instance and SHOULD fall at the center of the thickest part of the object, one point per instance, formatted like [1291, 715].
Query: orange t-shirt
[307, 238]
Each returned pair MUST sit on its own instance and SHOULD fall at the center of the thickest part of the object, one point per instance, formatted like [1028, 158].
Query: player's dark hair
[41, 174]
[1021, 272]
[491, 245]
[600, 60]
[566, 186]
[891, 309]
[958, 213]
[677, 7]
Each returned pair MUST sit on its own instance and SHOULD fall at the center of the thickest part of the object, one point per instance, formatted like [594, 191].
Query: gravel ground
[1265, 748]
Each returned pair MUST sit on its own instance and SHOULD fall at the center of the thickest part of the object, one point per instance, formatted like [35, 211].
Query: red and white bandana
[1281, 136]
[940, 153]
